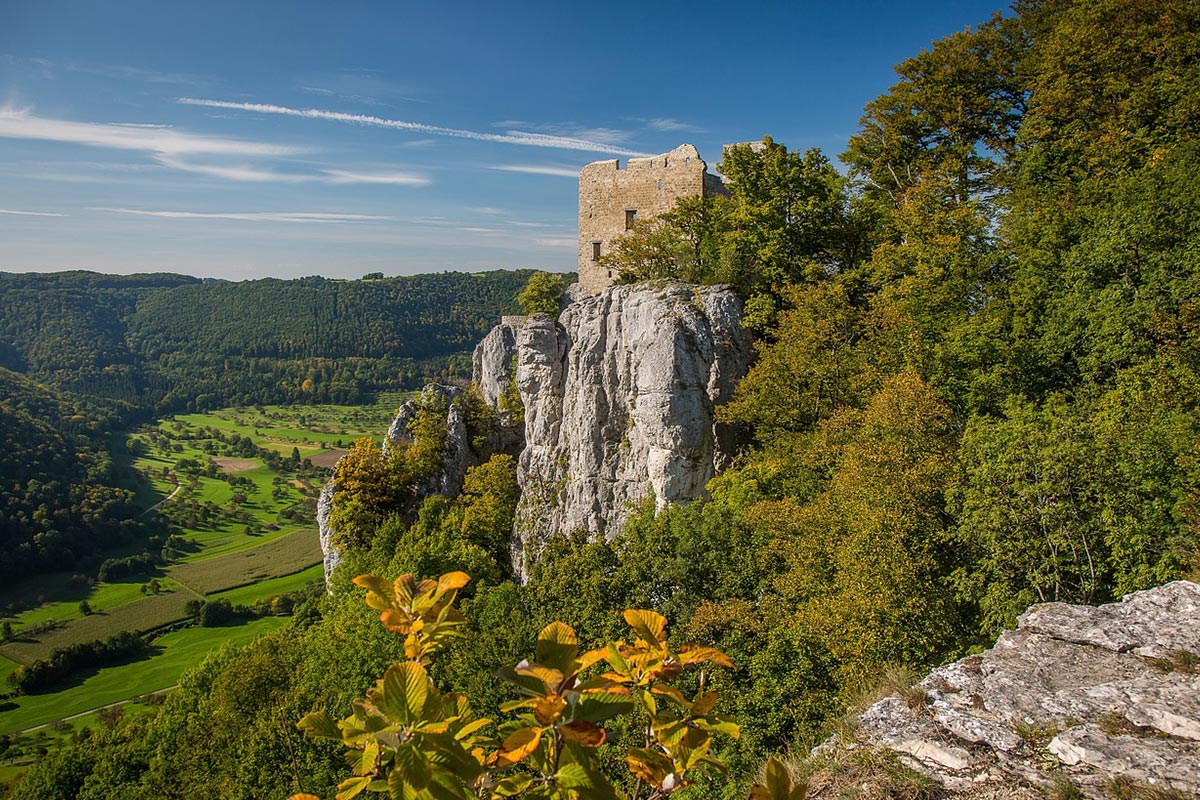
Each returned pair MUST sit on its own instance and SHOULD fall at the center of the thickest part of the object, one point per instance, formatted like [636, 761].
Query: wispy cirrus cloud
[557, 241]
[190, 152]
[668, 125]
[534, 169]
[524, 138]
[389, 178]
[253, 216]
[20, 124]
[30, 213]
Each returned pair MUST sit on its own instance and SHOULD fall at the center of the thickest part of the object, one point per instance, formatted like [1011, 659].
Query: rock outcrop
[1100, 696]
[494, 360]
[457, 457]
[619, 399]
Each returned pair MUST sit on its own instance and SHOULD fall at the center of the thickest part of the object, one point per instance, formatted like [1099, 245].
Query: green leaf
[601, 706]
[320, 725]
[557, 646]
[512, 785]
[404, 692]
[410, 761]
[351, 787]
[527, 684]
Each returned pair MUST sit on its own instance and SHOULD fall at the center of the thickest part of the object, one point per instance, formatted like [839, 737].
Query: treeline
[82, 354]
[45, 674]
[172, 343]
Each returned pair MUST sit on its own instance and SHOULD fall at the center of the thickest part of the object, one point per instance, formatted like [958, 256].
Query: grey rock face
[619, 405]
[1100, 692]
[492, 362]
[330, 556]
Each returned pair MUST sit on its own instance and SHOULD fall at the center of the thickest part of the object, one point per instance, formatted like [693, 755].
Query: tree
[555, 739]
[542, 293]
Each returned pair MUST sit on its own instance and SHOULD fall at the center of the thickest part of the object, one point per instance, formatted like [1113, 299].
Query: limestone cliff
[1101, 696]
[619, 399]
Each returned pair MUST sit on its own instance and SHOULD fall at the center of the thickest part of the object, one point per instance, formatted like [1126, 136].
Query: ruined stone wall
[648, 186]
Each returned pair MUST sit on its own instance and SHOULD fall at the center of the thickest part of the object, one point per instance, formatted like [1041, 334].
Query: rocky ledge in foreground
[1107, 697]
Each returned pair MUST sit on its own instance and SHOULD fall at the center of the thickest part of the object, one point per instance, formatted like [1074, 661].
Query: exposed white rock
[619, 400]
[493, 361]
[1103, 691]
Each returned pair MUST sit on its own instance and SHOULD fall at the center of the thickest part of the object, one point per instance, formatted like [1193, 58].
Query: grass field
[247, 528]
[102, 597]
[283, 556]
[6, 668]
[142, 615]
[265, 590]
[178, 651]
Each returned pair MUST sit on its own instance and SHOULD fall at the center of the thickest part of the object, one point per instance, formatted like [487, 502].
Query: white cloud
[30, 213]
[668, 125]
[392, 178]
[233, 173]
[20, 124]
[256, 216]
[557, 241]
[510, 137]
[562, 172]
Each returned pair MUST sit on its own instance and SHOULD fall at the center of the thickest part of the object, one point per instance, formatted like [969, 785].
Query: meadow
[233, 493]
[173, 653]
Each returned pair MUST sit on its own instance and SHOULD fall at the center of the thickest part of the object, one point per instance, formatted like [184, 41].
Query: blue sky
[253, 139]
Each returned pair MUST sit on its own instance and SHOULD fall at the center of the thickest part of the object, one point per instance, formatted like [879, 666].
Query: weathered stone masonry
[611, 199]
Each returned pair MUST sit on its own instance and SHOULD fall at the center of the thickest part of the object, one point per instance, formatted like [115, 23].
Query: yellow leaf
[395, 622]
[452, 580]
[520, 744]
[690, 654]
[588, 734]
[649, 625]
[547, 710]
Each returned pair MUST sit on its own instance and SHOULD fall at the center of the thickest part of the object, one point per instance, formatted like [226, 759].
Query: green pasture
[142, 615]
[285, 555]
[103, 598]
[176, 652]
[265, 590]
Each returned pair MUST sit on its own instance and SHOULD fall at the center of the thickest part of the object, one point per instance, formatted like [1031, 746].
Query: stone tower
[611, 199]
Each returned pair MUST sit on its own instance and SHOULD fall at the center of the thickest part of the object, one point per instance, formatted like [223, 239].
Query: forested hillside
[169, 342]
[977, 387]
[60, 501]
[82, 354]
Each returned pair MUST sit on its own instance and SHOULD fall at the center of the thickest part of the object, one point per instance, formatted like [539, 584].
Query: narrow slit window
[660, 183]
[630, 218]
[595, 251]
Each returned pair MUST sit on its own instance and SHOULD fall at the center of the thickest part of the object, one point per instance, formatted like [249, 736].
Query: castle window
[630, 218]
[660, 183]
[595, 251]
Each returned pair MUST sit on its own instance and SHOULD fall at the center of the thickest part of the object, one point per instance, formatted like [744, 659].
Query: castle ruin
[612, 200]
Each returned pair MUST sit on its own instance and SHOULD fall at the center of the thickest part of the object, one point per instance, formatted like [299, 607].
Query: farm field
[139, 616]
[234, 492]
[265, 590]
[279, 557]
[176, 652]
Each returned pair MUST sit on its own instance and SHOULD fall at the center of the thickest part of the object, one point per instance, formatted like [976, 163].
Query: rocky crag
[457, 457]
[618, 400]
[1105, 697]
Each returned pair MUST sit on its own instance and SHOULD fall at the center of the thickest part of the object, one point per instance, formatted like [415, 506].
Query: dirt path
[98, 708]
[175, 491]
